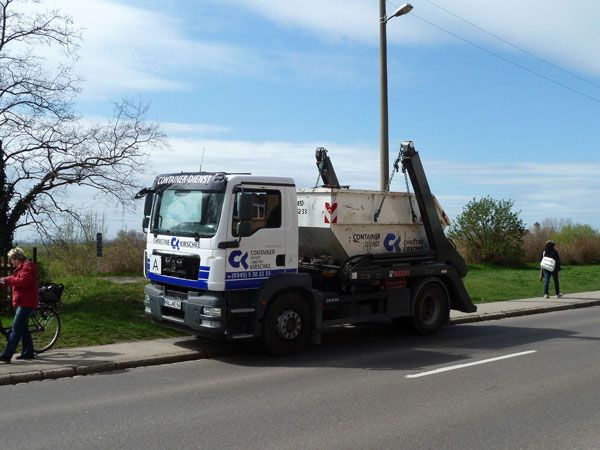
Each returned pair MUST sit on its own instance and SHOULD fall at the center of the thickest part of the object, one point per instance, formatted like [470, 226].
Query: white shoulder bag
[548, 263]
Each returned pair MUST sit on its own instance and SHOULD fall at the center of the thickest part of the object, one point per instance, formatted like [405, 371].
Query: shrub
[125, 254]
[489, 232]
[576, 243]
[534, 242]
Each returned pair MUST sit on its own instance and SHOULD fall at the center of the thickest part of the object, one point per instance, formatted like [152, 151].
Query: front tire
[287, 327]
[431, 309]
[44, 327]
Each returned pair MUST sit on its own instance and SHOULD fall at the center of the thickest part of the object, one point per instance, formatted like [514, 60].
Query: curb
[106, 366]
[522, 312]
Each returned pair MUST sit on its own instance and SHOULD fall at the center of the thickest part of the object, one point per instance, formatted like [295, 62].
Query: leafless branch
[45, 148]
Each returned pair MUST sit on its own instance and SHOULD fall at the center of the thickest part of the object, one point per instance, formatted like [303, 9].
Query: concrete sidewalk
[102, 358]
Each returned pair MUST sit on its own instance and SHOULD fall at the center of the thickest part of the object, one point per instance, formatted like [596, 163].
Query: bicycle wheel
[44, 326]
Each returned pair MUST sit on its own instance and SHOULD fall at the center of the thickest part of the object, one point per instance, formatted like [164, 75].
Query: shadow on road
[381, 347]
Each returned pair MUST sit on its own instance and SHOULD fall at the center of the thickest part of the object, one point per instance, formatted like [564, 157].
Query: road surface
[527, 382]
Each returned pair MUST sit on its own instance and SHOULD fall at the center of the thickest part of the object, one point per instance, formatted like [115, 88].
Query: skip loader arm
[442, 247]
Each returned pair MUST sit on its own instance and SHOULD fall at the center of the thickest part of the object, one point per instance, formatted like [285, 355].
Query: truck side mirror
[244, 229]
[148, 204]
[149, 194]
[245, 207]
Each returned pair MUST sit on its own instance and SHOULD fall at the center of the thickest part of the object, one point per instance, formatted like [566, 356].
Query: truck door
[262, 254]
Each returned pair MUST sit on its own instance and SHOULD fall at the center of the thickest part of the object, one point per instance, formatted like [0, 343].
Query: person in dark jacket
[24, 299]
[551, 252]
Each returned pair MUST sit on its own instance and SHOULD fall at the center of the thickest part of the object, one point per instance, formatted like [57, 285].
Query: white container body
[340, 223]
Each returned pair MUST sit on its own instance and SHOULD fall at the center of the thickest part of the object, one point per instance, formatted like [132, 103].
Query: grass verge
[98, 311]
[491, 284]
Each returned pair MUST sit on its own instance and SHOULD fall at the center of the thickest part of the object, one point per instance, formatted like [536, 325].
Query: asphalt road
[529, 382]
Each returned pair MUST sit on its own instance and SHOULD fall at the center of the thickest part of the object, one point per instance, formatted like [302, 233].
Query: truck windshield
[187, 212]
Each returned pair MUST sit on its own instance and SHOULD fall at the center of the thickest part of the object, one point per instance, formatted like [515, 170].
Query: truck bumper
[195, 313]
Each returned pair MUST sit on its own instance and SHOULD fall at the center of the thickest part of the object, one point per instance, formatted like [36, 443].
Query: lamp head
[403, 9]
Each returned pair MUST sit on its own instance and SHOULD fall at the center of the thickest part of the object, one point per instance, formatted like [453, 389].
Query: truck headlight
[211, 311]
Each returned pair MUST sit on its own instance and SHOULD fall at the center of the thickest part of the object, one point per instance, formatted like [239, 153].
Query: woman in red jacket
[24, 299]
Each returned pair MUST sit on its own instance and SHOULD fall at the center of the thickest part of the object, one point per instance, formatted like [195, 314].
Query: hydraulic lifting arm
[438, 242]
[326, 169]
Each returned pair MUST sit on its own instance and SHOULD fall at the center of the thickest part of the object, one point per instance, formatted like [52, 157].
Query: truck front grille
[180, 266]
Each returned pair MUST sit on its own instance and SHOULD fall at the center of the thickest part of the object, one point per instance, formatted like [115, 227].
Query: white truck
[240, 256]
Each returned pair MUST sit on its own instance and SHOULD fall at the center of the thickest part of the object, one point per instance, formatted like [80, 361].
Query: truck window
[187, 212]
[266, 211]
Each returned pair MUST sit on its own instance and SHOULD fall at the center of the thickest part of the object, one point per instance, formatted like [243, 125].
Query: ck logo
[236, 258]
[391, 243]
[175, 243]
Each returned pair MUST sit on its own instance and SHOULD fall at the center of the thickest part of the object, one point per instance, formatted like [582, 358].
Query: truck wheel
[431, 309]
[286, 328]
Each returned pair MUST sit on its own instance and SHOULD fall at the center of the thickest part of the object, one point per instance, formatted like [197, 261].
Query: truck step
[242, 336]
[242, 310]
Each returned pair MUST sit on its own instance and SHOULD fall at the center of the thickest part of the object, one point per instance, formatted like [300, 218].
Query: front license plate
[171, 303]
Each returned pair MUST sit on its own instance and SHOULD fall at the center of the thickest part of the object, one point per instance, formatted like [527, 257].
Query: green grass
[490, 284]
[98, 311]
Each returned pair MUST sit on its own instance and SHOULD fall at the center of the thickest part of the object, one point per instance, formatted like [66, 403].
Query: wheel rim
[288, 324]
[430, 309]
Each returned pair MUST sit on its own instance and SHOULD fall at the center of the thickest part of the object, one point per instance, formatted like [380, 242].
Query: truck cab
[201, 251]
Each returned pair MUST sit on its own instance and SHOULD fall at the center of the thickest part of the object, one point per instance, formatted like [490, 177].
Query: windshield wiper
[160, 231]
[197, 235]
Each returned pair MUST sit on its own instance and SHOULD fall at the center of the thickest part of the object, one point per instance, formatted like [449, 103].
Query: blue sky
[256, 85]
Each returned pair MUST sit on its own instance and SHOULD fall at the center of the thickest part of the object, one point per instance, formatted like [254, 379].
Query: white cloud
[564, 32]
[337, 20]
[128, 49]
[193, 129]
[267, 158]
[539, 190]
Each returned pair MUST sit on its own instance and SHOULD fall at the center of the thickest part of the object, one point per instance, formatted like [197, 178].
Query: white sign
[155, 262]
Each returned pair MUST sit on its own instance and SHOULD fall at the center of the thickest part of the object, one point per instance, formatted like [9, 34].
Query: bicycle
[44, 321]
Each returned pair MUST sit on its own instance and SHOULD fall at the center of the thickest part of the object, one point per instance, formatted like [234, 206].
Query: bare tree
[44, 146]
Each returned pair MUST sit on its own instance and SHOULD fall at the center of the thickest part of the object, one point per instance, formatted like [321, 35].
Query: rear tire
[431, 309]
[287, 327]
[44, 327]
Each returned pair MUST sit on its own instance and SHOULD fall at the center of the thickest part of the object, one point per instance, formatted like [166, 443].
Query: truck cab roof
[217, 180]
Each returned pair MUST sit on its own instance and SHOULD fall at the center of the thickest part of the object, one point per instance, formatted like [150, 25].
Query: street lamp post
[384, 139]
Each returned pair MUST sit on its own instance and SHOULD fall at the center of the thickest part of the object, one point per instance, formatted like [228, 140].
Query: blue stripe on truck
[198, 284]
[203, 272]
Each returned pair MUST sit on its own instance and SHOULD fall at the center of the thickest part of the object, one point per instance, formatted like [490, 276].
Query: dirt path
[124, 280]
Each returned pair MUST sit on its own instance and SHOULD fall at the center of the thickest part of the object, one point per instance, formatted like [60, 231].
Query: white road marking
[475, 363]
